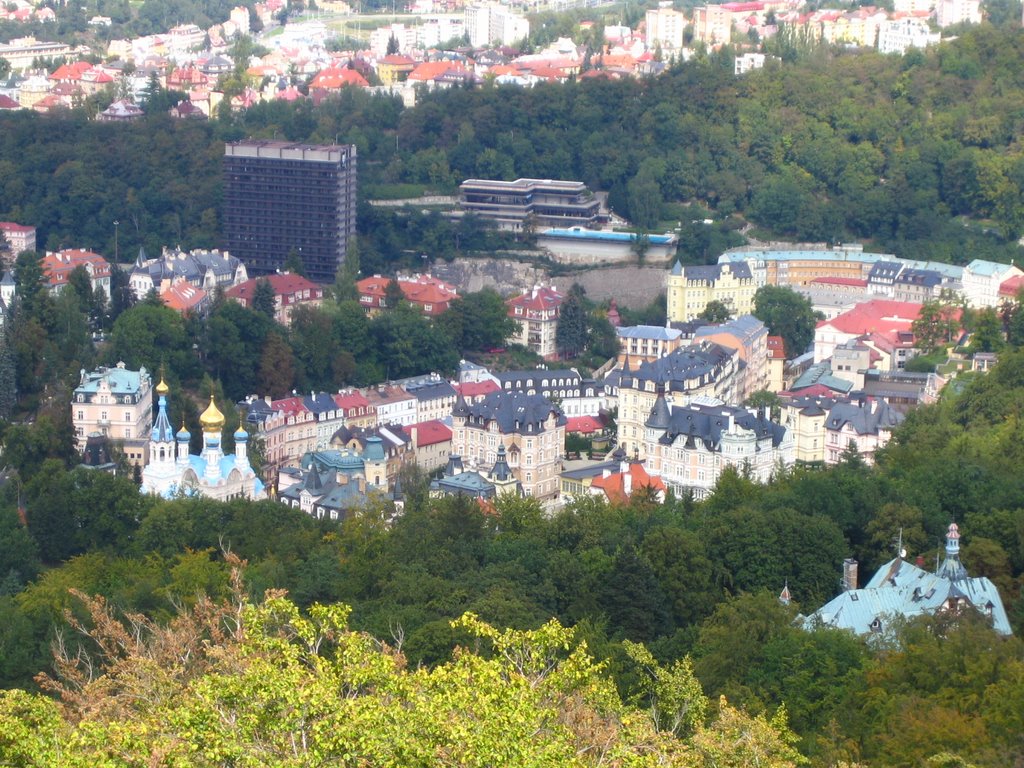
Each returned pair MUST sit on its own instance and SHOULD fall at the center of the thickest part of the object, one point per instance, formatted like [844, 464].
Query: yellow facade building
[691, 289]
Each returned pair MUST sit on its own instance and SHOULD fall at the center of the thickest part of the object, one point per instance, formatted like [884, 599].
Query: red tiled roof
[1009, 287]
[347, 400]
[614, 485]
[10, 226]
[876, 315]
[431, 70]
[432, 433]
[776, 348]
[71, 71]
[290, 406]
[182, 296]
[419, 289]
[284, 284]
[58, 266]
[473, 389]
[6, 102]
[586, 425]
[544, 297]
[335, 77]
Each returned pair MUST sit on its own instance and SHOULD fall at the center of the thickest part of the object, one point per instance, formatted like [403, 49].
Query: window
[81, 415]
[127, 415]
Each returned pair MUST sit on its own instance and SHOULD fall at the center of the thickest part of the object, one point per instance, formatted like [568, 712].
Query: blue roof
[657, 332]
[121, 381]
[902, 589]
[988, 268]
[578, 233]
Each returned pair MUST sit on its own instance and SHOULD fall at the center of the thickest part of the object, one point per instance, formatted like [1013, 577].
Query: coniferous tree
[263, 298]
[571, 331]
[8, 379]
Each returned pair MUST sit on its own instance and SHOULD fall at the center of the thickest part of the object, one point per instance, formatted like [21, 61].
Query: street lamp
[116, 259]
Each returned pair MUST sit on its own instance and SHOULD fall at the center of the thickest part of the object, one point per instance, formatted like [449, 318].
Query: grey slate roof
[707, 423]
[821, 373]
[884, 271]
[865, 418]
[924, 277]
[657, 332]
[514, 412]
[698, 362]
[713, 272]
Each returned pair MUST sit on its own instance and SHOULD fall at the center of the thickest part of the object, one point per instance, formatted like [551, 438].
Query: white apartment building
[901, 35]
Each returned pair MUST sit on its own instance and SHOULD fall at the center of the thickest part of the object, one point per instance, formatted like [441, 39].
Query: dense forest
[683, 578]
[916, 155]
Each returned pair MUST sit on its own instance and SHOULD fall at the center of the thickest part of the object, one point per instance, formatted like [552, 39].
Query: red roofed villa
[431, 295]
[618, 487]
[290, 291]
[536, 313]
[58, 268]
[884, 325]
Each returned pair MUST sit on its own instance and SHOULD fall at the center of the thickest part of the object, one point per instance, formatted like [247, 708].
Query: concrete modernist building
[280, 196]
[524, 203]
[117, 403]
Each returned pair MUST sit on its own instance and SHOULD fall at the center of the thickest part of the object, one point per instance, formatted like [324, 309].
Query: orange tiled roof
[334, 78]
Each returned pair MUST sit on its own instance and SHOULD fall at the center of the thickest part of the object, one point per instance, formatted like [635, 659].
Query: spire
[501, 471]
[660, 415]
[162, 431]
[460, 408]
[784, 596]
[951, 567]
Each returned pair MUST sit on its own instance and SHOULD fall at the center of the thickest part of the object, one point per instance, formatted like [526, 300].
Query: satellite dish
[903, 553]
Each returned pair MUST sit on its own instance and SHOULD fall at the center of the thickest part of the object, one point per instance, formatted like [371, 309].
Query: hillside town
[519, 382]
[433, 45]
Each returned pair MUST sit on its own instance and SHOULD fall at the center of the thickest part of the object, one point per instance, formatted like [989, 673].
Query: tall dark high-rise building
[280, 196]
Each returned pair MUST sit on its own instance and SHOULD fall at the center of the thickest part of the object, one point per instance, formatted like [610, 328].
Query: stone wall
[631, 286]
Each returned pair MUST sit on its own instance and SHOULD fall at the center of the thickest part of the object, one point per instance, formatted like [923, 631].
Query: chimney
[627, 482]
[849, 574]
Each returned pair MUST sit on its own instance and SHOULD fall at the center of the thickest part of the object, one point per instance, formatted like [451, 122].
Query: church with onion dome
[172, 471]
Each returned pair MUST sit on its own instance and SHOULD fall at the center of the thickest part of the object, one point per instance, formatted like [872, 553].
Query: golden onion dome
[212, 419]
[162, 389]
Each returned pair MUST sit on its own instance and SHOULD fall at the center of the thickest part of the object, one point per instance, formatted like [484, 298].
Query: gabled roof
[543, 297]
[875, 315]
[284, 284]
[899, 588]
[182, 296]
[333, 78]
[432, 433]
[614, 485]
[820, 374]
[864, 418]
[514, 412]
[656, 332]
